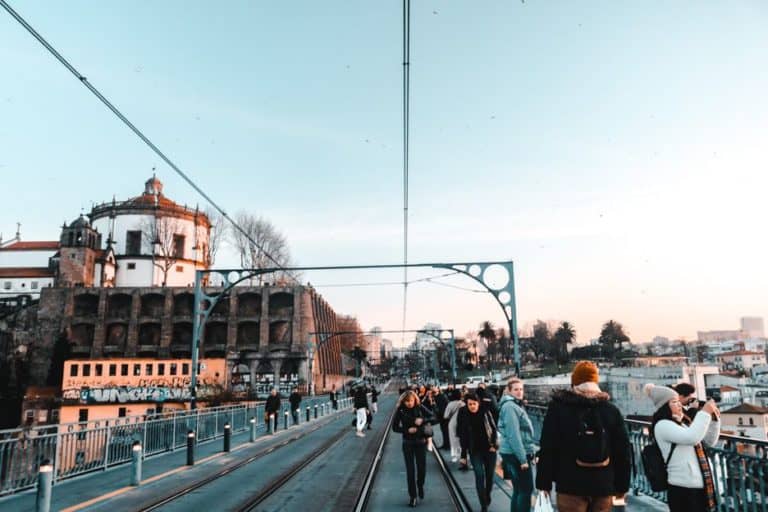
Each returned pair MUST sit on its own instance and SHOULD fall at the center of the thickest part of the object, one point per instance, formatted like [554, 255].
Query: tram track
[157, 504]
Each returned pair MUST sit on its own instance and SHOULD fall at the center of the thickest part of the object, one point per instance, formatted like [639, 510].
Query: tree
[166, 238]
[564, 336]
[269, 250]
[488, 333]
[611, 336]
[541, 339]
[219, 232]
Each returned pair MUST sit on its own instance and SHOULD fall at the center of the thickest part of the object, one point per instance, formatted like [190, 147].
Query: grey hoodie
[515, 430]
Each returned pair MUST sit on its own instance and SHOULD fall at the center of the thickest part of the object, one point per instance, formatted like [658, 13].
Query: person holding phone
[690, 477]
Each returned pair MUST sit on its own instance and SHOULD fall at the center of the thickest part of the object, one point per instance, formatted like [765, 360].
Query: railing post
[136, 464]
[308, 414]
[253, 429]
[144, 440]
[285, 422]
[108, 441]
[271, 423]
[173, 438]
[44, 485]
[227, 436]
[190, 448]
[315, 411]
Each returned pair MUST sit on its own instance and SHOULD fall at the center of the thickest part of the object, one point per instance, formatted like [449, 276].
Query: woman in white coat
[691, 482]
[451, 414]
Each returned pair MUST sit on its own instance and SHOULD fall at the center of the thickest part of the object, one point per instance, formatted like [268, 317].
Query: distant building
[740, 360]
[731, 335]
[753, 326]
[746, 420]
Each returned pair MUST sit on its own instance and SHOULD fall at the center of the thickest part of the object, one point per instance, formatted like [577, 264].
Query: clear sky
[616, 151]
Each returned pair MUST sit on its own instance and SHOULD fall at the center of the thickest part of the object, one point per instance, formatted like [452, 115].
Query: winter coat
[361, 399]
[683, 469]
[472, 438]
[405, 418]
[273, 404]
[557, 458]
[515, 430]
[374, 396]
[452, 415]
[441, 402]
[295, 400]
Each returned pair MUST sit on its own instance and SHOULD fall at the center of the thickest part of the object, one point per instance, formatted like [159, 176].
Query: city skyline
[613, 152]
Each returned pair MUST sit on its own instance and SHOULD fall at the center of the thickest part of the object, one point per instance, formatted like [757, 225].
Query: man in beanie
[585, 448]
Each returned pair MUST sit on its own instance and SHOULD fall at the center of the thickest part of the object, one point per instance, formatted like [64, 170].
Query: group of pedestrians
[584, 453]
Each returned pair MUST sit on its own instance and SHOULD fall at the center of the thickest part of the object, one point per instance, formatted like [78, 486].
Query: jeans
[415, 454]
[484, 466]
[681, 499]
[361, 419]
[522, 482]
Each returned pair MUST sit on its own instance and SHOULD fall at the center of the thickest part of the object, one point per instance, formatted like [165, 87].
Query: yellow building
[100, 389]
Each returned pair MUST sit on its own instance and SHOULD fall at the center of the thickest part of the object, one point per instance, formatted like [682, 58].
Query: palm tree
[563, 337]
[611, 335]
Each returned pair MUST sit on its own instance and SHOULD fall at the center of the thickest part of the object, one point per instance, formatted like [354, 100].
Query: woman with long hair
[517, 446]
[413, 422]
[690, 478]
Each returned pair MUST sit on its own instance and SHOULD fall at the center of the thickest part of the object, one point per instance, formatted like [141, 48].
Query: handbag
[543, 503]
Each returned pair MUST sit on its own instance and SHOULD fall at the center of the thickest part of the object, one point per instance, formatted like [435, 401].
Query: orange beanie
[584, 371]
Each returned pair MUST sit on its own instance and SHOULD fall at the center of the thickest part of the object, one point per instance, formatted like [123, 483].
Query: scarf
[706, 473]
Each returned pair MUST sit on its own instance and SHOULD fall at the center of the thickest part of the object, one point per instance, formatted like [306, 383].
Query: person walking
[412, 421]
[516, 445]
[477, 434]
[272, 408]
[585, 448]
[690, 477]
[295, 400]
[361, 410]
[488, 400]
[441, 403]
[334, 397]
[451, 416]
[374, 400]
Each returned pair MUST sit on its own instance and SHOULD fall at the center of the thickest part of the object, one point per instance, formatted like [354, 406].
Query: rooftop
[747, 409]
[32, 246]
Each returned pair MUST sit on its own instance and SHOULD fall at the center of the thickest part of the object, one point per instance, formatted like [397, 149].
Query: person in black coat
[441, 402]
[580, 423]
[272, 408]
[361, 409]
[295, 400]
[413, 422]
[334, 397]
[478, 436]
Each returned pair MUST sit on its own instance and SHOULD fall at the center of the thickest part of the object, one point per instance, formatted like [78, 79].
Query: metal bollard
[136, 464]
[307, 414]
[44, 484]
[253, 429]
[227, 436]
[315, 411]
[285, 422]
[190, 448]
[271, 423]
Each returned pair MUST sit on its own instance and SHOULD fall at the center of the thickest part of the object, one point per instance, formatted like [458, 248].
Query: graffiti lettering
[128, 394]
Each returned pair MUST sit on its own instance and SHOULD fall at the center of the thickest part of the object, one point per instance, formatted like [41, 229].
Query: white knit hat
[660, 394]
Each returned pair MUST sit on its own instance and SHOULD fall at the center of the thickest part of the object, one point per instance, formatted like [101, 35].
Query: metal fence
[739, 466]
[78, 448]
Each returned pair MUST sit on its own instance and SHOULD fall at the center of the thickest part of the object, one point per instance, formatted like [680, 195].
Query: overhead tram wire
[133, 128]
[406, 119]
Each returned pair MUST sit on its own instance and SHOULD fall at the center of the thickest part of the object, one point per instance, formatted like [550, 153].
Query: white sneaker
[454, 459]
[359, 434]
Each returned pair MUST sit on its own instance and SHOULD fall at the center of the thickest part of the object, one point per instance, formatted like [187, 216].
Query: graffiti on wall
[134, 394]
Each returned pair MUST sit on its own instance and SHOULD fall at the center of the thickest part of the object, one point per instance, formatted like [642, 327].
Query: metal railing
[739, 466]
[78, 448]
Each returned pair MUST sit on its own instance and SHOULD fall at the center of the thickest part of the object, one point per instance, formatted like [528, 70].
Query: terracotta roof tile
[32, 246]
[26, 272]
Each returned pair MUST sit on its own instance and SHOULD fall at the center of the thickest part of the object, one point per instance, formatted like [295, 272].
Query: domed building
[153, 240]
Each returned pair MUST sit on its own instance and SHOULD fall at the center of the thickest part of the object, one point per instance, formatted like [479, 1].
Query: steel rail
[286, 476]
[229, 469]
[460, 500]
[365, 492]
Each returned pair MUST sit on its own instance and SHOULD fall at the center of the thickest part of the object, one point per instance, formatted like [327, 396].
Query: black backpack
[593, 448]
[655, 466]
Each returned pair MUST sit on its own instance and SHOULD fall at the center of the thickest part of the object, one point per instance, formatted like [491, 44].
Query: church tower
[80, 247]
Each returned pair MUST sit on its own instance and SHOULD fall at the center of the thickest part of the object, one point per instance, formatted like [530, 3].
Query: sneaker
[360, 434]
[429, 447]
[454, 459]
